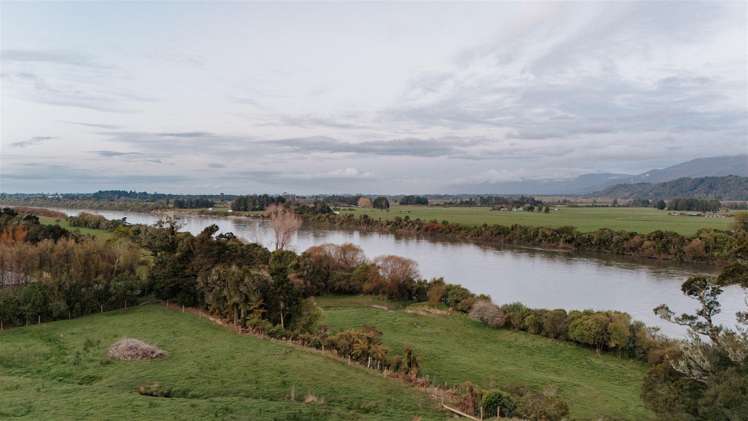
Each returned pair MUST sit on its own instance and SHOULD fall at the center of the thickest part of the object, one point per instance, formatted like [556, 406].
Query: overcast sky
[390, 98]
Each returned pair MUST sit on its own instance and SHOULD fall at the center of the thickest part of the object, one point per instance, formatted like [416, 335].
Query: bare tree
[285, 223]
[396, 268]
[364, 202]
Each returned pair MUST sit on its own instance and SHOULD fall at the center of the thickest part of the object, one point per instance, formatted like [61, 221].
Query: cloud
[128, 156]
[32, 141]
[67, 174]
[94, 125]
[67, 79]
[68, 58]
[110, 154]
[186, 134]
[87, 94]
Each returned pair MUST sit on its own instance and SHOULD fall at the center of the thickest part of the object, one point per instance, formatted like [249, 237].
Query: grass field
[48, 372]
[453, 349]
[642, 220]
[104, 234]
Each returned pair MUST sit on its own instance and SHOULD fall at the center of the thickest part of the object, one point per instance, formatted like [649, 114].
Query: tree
[399, 275]
[661, 204]
[704, 290]
[707, 376]
[285, 223]
[382, 203]
[364, 202]
[414, 200]
[283, 299]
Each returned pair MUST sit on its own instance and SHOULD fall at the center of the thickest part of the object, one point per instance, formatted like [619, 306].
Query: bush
[554, 324]
[459, 298]
[155, 389]
[515, 315]
[589, 328]
[533, 322]
[497, 403]
[539, 406]
[436, 292]
[487, 313]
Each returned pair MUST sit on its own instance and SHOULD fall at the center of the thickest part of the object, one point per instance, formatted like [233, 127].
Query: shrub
[533, 322]
[487, 313]
[554, 324]
[436, 292]
[497, 403]
[459, 298]
[539, 406]
[155, 389]
[515, 314]
[590, 329]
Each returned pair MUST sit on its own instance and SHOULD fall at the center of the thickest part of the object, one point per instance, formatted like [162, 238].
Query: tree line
[707, 245]
[255, 202]
[698, 205]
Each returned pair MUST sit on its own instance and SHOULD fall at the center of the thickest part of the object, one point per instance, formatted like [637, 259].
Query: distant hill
[718, 166]
[724, 188]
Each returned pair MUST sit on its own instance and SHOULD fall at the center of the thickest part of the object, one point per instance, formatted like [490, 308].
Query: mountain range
[718, 166]
[730, 187]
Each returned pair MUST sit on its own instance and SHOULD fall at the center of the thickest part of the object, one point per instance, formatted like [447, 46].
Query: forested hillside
[725, 188]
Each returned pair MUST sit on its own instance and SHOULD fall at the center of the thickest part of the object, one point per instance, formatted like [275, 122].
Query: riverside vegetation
[269, 293]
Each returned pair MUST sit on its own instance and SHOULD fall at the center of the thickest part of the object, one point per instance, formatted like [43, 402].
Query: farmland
[642, 220]
[455, 349]
[213, 373]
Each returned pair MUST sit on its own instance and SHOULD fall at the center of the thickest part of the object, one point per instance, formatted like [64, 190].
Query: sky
[362, 97]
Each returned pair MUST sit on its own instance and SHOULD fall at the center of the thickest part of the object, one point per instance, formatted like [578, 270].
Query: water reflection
[537, 278]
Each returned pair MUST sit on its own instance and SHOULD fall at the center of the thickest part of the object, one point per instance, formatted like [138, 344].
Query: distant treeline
[699, 205]
[495, 201]
[414, 200]
[115, 200]
[193, 203]
[255, 202]
[707, 245]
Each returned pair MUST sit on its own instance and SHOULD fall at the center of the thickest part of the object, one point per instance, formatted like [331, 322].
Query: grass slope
[641, 220]
[103, 234]
[453, 349]
[48, 372]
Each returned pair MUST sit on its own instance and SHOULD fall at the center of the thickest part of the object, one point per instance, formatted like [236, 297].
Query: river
[539, 279]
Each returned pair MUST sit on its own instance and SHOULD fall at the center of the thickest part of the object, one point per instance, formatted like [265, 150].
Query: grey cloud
[94, 125]
[36, 88]
[69, 58]
[65, 173]
[128, 156]
[32, 75]
[32, 141]
[333, 181]
[110, 154]
[185, 134]
[455, 147]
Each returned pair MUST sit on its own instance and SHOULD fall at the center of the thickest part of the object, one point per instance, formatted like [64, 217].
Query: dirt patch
[427, 311]
[129, 349]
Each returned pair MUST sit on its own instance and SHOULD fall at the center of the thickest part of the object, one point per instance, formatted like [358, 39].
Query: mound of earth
[129, 349]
